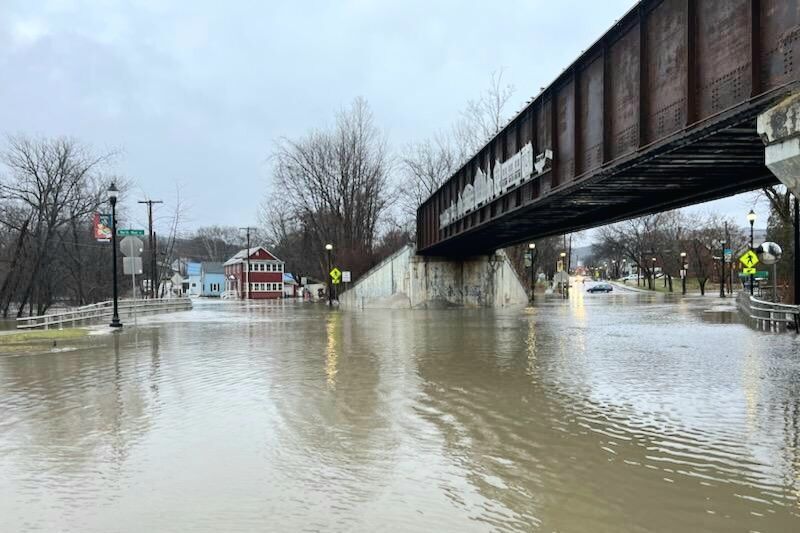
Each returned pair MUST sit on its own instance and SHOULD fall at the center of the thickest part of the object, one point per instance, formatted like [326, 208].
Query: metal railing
[104, 310]
[768, 316]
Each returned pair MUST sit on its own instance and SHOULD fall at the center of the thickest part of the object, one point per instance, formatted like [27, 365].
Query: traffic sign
[749, 259]
[346, 276]
[749, 270]
[126, 232]
[728, 253]
[336, 275]
[131, 246]
[131, 265]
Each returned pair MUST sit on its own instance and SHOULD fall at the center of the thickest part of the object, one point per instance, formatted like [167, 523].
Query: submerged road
[624, 412]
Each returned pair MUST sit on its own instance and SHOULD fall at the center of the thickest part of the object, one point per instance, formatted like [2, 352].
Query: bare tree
[51, 183]
[219, 242]
[483, 117]
[336, 184]
[424, 166]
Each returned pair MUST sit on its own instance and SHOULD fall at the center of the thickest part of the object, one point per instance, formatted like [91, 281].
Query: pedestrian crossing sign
[749, 270]
[749, 259]
[336, 275]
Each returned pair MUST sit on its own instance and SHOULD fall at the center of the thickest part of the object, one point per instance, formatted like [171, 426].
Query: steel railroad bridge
[659, 113]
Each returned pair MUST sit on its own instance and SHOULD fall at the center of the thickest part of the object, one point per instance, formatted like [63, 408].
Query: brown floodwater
[606, 413]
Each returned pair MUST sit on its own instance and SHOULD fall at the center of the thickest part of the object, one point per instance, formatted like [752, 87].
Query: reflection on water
[604, 413]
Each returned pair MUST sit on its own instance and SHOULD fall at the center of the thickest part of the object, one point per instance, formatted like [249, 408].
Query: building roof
[193, 269]
[213, 267]
[244, 253]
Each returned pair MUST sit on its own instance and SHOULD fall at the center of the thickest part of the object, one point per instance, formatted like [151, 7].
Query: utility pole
[151, 240]
[247, 285]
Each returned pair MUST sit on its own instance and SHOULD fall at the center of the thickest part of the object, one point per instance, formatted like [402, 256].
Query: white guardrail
[104, 310]
[768, 316]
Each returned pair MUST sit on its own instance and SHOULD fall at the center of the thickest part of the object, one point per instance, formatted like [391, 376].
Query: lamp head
[329, 247]
[751, 216]
[531, 246]
[113, 193]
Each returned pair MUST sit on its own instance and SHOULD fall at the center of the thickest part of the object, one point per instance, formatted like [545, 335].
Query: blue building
[212, 279]
[193, 282]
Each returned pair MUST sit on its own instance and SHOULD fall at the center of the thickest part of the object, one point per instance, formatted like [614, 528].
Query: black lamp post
[531, 250]
[685, 272]
[329, 248]
[653, 277]
[113, 193]
[722, 269]
[751, 217]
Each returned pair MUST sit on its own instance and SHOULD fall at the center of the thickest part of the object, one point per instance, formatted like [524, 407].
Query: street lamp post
[564, 286]
[722, 269]
[751, 217]
[684, 273]
[113, 193]
[329, 248]
[653, 276]
[531, 249]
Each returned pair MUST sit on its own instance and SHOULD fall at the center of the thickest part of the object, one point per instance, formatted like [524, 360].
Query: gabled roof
[213, 267]
[193, 269]
[244, 253]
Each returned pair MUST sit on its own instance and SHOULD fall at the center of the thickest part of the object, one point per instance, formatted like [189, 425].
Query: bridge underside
[723, 158]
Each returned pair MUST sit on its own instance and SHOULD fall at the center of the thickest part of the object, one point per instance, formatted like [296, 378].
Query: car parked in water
[600, 287]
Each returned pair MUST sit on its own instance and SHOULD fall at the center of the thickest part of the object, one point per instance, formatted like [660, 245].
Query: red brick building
[263, 280]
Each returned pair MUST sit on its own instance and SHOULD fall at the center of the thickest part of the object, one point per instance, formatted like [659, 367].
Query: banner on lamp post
[102, 227]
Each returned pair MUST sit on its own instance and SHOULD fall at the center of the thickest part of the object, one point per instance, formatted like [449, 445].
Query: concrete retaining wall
[406, 280]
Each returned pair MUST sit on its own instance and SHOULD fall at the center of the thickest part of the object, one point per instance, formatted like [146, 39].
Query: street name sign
[134, 232]
[749, 259]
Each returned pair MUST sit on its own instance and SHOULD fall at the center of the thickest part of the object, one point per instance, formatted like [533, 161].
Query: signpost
[132, 247]
[728, 253]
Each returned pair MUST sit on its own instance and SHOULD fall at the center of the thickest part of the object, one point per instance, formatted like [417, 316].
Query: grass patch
[23, 341]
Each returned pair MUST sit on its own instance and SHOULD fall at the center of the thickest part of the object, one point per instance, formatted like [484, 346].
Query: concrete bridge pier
[409, 281]
[779, 128]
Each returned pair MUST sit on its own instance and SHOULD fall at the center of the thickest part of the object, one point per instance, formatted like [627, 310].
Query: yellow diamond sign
[749, 259]
[336, 275]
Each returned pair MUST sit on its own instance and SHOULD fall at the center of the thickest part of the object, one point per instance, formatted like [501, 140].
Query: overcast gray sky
[195, 92]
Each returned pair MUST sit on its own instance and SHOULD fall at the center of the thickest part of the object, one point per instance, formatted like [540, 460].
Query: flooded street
[618, 413]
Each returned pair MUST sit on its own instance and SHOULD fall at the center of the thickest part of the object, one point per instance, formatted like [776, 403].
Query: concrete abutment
[409, 281]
